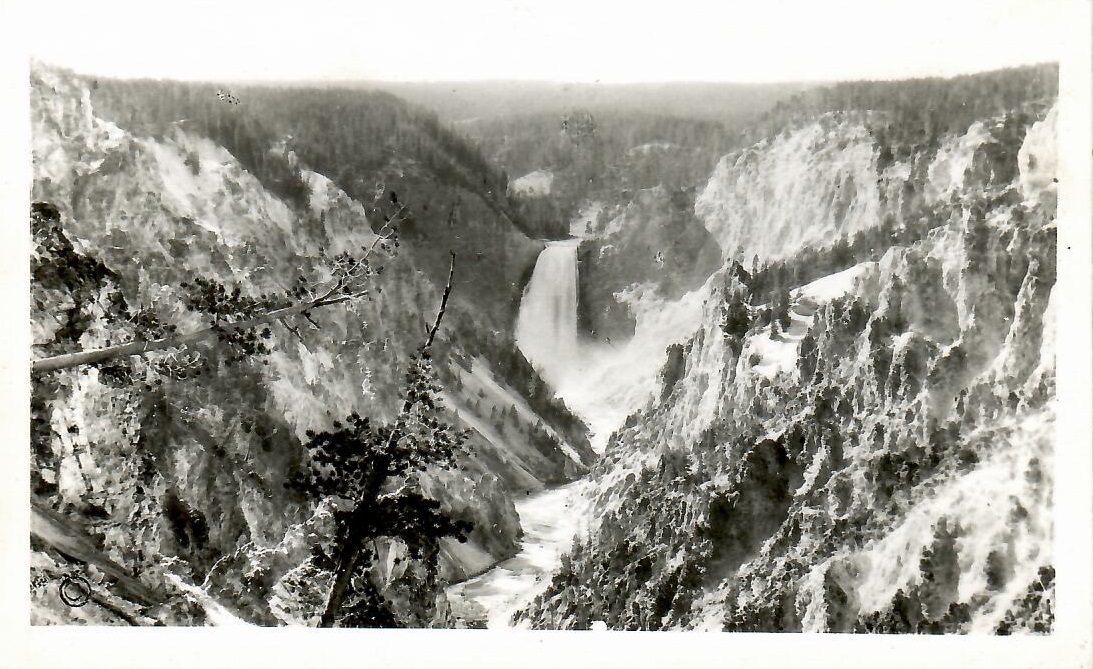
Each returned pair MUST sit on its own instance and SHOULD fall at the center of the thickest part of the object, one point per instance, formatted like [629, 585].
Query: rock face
[653, 244]
[183, 480]
[802, 187]
[882, 462]
[833, 177]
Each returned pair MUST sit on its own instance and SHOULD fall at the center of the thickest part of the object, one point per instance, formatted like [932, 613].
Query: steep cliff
[804, 186]
[881, 458]
[652, 243]
[838, 160]
[177, 468]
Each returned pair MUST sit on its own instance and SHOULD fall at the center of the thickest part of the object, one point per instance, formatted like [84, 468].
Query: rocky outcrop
[653, 242]
[805, 186]
[180, 468]
[884, 462]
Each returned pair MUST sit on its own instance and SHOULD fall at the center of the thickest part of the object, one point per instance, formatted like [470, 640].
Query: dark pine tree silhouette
[358, 464]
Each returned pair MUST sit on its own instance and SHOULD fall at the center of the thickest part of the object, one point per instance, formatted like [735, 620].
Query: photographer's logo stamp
[74, 590]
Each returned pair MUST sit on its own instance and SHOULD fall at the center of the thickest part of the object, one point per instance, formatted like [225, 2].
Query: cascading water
[546, 332]
[546, 328]
[601, 383]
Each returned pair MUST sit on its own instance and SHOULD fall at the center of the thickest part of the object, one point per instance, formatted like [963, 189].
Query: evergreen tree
[779, 310]
[783, 312]
[358, 464]
[736, 316]
[360, 467]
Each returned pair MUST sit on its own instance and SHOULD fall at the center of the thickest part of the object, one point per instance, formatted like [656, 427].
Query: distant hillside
[360, 140]
[470, 100]
[602, 155]
[517, 127]
[918, 109]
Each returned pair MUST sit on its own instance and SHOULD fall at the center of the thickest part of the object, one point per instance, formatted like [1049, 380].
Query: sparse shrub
[1035, 612]
[807, 357]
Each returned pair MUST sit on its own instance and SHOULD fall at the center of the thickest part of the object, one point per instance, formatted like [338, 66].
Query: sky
[559, 40]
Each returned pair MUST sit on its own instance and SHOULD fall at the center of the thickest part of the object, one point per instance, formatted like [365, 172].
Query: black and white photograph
[714, 320]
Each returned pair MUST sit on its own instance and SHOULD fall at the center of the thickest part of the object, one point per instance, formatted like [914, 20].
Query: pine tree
[356, 463]
[783, 313]
[779, 310]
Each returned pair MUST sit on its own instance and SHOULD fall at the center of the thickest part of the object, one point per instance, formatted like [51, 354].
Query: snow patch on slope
[646, 149]
[769, 355]
[833, 286]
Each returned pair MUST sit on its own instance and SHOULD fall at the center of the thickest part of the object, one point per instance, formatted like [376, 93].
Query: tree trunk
[347, 562]
[141, 347]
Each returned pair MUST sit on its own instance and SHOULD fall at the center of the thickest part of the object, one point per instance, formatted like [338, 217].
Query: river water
[546, 332]
[550, 520]
[600, 383]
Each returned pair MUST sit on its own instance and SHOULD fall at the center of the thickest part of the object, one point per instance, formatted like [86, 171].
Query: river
[601, 384]
[546, 332]
[550, 519]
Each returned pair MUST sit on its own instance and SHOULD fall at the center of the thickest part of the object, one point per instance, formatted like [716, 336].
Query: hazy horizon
[357, 82]
[567, 41]
[624, 84]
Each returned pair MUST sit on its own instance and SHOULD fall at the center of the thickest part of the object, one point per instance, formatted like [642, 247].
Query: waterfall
[546, 333]
[602, 383]
[546, 327]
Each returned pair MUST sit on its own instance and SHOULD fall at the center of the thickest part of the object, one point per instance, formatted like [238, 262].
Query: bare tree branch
[328, 297]
[141, 347]
[294, 330]
[443, 305]
[309, 320]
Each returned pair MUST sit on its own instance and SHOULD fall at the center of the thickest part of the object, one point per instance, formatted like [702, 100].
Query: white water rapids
[550, 519]
[601, 384]
[546, 332]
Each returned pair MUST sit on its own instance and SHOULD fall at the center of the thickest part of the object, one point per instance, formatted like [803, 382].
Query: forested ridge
[255, 350]
[598, 155]
[350, 135]
[347, 135]
[912, 113]
[623, 150]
